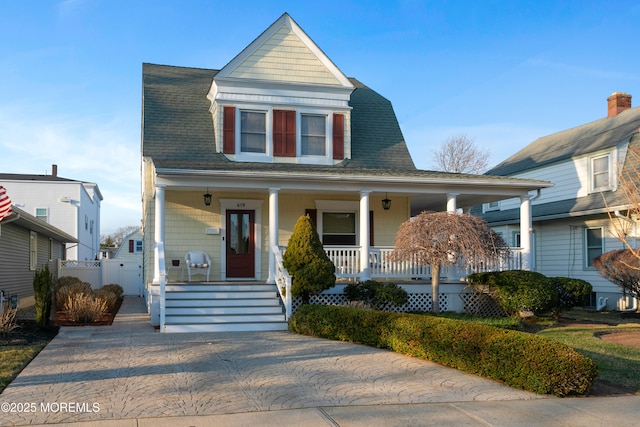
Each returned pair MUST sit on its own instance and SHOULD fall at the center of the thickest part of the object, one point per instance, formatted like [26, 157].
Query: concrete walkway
[129, 375]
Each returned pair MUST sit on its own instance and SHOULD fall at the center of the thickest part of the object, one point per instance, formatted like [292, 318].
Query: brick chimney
[54, 170]
[617, 103]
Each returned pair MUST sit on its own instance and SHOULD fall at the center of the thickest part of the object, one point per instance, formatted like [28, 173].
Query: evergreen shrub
[517, 290]
[42, 284]
[571, 293]
[307, 262]
[378, 295]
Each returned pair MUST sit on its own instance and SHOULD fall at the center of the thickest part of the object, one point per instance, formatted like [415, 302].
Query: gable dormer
[282, 100]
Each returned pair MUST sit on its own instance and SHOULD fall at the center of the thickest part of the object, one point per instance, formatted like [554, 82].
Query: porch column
[365, 274]
[158, 228]
[451, 202]
[273, 233]
[526, 225]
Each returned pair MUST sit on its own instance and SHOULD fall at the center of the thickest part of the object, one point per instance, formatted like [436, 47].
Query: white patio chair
[197, 262]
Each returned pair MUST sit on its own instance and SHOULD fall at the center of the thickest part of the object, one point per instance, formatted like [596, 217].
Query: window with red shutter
[338, 136]
[229, 130]
[284, 133]
[131, 246]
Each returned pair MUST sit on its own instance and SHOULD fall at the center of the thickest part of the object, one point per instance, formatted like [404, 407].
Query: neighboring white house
[570, 222]
[70, 205]
[231, 158]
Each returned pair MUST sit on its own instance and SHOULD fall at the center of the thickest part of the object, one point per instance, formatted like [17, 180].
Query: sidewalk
[129, 375]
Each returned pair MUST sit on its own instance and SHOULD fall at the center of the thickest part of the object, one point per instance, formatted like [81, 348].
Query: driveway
[129, 371]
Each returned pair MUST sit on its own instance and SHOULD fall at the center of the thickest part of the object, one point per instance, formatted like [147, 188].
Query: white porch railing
[162, 275]
[347, 262]
[283, 282]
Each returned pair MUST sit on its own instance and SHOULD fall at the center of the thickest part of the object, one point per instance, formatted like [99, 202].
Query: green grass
[13, 359]
[617, 363]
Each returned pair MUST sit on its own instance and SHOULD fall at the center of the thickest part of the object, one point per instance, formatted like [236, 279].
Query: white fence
[126, 273]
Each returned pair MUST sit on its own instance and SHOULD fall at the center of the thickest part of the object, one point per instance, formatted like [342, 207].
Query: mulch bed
[61, 318]
[28, 332]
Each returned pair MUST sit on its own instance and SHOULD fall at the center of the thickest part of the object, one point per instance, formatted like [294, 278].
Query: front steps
[224, 307]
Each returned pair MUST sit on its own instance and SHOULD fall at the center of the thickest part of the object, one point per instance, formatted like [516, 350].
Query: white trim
[241, 204]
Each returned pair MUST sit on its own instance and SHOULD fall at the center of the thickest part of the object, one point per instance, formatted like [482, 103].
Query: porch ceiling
[428, 190]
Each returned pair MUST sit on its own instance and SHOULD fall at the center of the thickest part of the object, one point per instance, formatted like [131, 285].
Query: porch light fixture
[386, 203]
[207, 198]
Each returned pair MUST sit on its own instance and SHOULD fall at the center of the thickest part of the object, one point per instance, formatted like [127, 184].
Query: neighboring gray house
[70, 205]
[27, 244]
[570, 221]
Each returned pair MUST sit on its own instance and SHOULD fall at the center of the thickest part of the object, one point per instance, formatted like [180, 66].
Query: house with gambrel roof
[571, 223]
[231, 158]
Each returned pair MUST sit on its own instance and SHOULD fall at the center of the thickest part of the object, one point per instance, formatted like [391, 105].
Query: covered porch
[230, 214]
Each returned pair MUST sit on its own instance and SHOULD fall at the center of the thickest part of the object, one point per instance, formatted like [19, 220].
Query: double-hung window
[339, 228]
[253, 132]
[594, 245]
[601, 173]
[313, 137]
[41, 213]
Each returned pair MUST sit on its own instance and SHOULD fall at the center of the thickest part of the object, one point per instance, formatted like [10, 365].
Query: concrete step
[223, 310]
[226, 327]
[230, 318]
[215, 302]
[223, 295]
[206, 287]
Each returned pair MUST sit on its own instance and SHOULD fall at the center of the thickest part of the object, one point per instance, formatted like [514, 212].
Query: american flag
[5, 204]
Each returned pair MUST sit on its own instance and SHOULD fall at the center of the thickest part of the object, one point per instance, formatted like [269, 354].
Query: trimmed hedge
[518, 290]
[518, 359]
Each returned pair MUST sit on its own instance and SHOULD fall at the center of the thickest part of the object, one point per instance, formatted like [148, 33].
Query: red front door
[240, 244]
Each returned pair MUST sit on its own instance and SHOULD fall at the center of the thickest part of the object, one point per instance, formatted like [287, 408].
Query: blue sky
[502, 72]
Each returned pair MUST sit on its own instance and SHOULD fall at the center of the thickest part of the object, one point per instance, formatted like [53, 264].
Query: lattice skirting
[481, 304]
[417, 302]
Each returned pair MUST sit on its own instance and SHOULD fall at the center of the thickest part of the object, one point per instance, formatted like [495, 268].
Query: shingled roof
[597, 135]
[178, 129]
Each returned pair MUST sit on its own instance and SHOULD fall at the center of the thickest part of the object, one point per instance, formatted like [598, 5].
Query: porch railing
[348, 264]
[283, 282]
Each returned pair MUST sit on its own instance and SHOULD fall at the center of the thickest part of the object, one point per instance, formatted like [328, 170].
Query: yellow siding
[187, 218]
[284, 57]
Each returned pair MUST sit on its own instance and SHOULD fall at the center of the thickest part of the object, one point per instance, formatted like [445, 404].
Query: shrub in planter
[378, 295]
[571, 293]
[65, 281]
[42, 283]
[115, 288]
[517, 290]
[519, 359]
[110, 299]
[71, 289]
[84, 308]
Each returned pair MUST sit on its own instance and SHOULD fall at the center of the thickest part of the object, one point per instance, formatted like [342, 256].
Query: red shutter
[131, 246]
[284, 133]
[338, 136]
[229, 130]
[313, 215]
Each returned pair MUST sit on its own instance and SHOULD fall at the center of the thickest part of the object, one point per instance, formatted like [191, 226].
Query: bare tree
[459, 154]
[622, 267]
[444, 238]
[116, 238]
